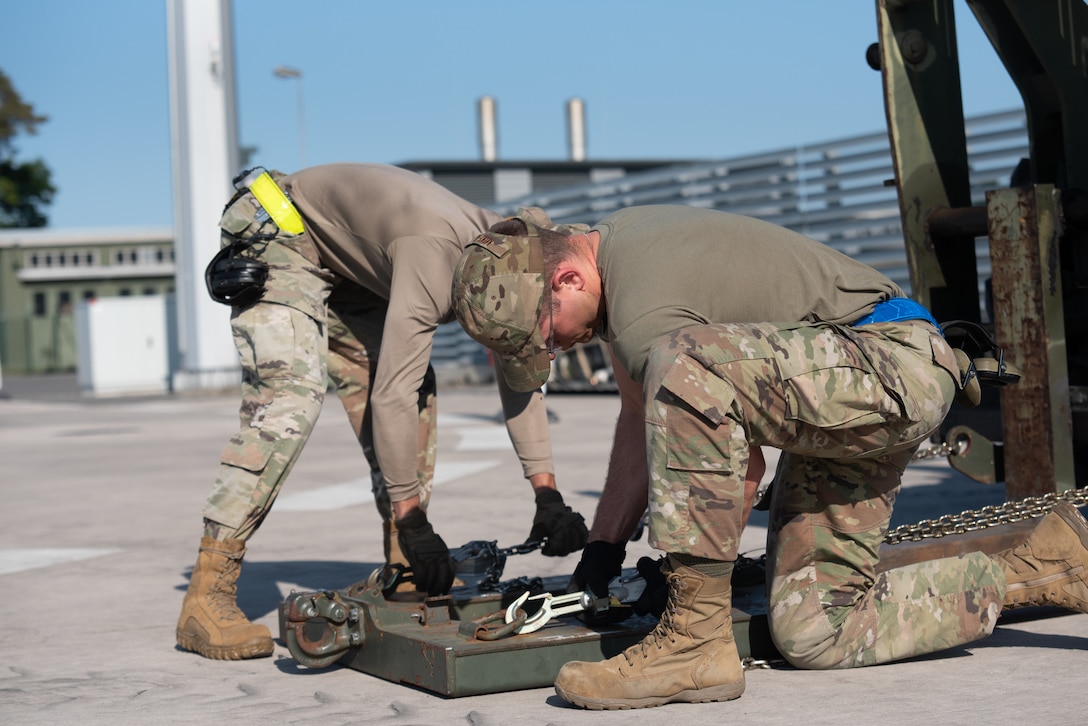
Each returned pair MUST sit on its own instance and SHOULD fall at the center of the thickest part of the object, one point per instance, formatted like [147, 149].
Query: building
[45, 272]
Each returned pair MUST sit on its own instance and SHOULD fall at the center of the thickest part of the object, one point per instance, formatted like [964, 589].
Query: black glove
[601, 561]
[653, 598]
[432, 568]
[562, 529]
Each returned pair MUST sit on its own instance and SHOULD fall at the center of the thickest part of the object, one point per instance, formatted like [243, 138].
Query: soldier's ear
[569, 277]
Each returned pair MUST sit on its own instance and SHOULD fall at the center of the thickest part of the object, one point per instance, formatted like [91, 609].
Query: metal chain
[522, 549]
[991, 516]
[493, 575]
[977, 519]
[942, 449]
[753, 664]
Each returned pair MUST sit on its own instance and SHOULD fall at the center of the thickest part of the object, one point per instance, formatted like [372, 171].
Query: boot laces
[221, 596]
[665, 630]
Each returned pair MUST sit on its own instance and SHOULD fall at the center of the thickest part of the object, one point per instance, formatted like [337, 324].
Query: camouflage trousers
[304, 333]
[847, 407]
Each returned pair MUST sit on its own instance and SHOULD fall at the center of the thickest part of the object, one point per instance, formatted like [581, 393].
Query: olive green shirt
[400, 235]
[667, 267]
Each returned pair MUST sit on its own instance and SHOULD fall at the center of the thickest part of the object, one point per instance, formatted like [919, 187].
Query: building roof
[50, 237]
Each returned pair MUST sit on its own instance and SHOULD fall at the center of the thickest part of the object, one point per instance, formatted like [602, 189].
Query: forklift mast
[1037, 297]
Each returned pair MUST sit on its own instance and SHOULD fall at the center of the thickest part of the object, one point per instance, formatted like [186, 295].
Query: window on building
[48, 259]
[159, 255]
[76, 258]
[89, 295]
[34, 260]
[39, 304]
[134, 256]
[62, 259]
[125, 292]
[150, 291]
[64, 303]
[119, 256]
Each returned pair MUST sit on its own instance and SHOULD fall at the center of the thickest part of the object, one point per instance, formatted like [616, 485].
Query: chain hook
[553, 606]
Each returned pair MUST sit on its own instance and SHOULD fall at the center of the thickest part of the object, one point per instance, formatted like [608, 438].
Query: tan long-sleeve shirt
[400, 235]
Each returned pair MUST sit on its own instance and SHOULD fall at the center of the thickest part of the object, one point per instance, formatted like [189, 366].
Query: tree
[25, 188]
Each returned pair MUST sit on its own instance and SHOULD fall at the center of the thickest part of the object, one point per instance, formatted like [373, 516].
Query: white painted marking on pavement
[325, 499]
[460, 419]
[22, 560]
[492, 438]
[338, 496]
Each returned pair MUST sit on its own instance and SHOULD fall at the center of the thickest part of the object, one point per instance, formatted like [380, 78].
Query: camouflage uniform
[372, 246]
[303, 332]
[847, 393]
[848, 407]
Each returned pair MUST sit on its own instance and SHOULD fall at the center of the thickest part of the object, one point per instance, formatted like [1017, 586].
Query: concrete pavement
[100, 523]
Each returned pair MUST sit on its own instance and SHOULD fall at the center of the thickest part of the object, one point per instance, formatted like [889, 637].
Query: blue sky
[398, 81]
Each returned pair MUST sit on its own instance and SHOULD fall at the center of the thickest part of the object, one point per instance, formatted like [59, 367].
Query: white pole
[204, 146]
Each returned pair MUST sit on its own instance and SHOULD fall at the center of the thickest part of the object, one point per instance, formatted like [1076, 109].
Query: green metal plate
[431, 644]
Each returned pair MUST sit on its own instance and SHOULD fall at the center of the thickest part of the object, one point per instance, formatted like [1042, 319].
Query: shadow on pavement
[259, 591]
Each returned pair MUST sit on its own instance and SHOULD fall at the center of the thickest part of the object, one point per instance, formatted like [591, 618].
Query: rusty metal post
[1028, 320]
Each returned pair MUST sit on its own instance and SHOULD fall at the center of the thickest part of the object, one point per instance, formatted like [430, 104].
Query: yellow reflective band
[276, 203]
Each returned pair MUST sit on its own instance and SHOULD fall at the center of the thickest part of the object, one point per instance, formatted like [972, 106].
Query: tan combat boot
[689, 657]
[394, 556]
[1051, 567]
[211, 623]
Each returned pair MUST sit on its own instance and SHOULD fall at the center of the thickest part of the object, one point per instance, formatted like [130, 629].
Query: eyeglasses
[551, 330]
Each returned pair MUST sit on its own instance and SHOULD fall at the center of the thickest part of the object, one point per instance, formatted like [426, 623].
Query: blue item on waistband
[897, 310]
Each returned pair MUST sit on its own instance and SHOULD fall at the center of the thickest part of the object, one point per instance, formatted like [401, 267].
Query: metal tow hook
[553, 606]
[341, 632]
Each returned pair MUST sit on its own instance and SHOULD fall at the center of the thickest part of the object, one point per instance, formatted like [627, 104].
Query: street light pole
[294, 73]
